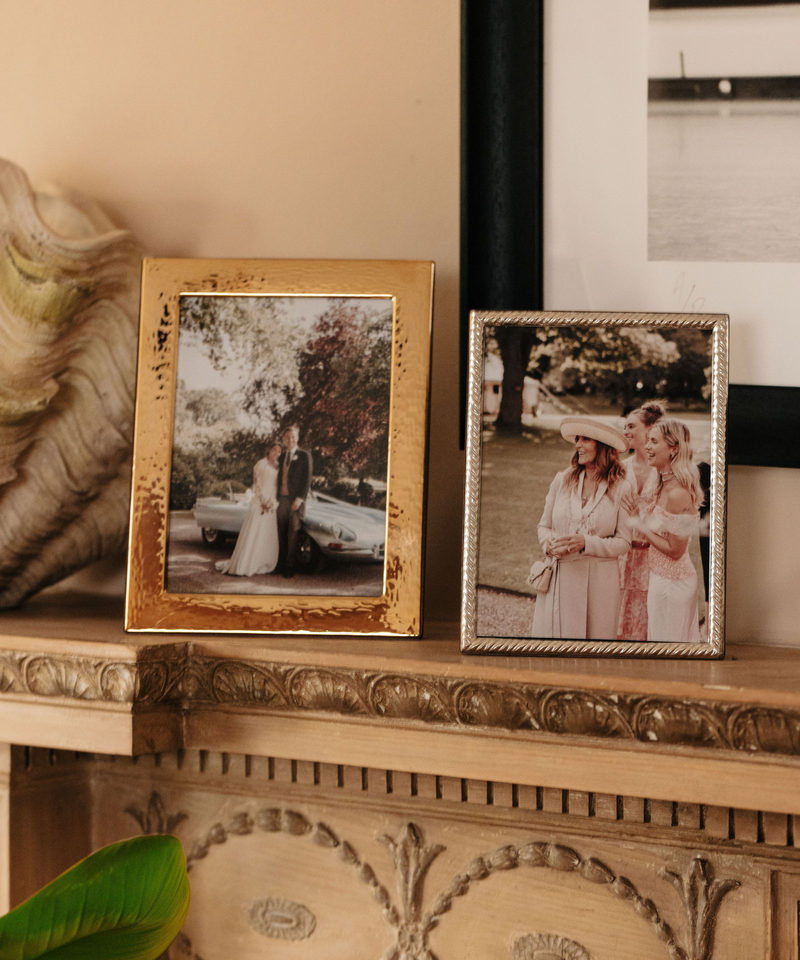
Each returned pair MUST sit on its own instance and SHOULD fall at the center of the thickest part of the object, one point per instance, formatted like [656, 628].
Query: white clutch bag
[541, 574]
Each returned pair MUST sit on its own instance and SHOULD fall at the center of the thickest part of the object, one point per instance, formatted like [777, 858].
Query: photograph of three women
[595, 483]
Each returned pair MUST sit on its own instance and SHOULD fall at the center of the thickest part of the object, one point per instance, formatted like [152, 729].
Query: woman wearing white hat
[585, 527]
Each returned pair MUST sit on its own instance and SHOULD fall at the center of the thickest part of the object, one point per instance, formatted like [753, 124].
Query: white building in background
[493, 389]
[492, 385]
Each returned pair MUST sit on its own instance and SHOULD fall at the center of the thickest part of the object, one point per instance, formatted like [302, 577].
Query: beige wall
[764, 555]
[261, 128]
[302, 128]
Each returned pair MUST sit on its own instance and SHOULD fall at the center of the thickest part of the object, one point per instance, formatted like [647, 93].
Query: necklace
[667, 476]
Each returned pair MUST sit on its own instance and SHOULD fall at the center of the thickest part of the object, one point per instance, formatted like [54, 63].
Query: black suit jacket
[299, 479]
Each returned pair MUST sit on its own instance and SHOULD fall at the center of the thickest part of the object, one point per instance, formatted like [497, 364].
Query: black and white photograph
[595, 483]
[724, 131]
[280, 446]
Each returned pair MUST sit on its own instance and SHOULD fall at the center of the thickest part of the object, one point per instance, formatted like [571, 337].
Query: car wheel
[212, 537]
[310, 559]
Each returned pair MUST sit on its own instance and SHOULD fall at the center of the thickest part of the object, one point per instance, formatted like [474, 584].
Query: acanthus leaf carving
[187, 679]
[657, 720]
[155, 819]
[153, 681]
[582, 713]
[75, 678]
[11, 679]
[765, 730]
[412, 859]
[701, 895]
[118, 682]
[490, 705]
[408, 698]
[233, 683]
[326, 690]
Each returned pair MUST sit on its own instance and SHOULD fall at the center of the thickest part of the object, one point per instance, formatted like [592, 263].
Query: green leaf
[125, 902]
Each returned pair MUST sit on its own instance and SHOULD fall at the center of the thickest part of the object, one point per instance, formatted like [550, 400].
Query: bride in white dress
[257, 548]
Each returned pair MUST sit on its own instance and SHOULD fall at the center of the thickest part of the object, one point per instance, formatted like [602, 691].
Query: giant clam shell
[69, 297]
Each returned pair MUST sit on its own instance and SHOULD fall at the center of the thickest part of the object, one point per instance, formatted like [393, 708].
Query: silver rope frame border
[470, 641]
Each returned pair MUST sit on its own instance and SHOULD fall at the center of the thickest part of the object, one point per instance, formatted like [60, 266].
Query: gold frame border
[398, 611]
[470, 642]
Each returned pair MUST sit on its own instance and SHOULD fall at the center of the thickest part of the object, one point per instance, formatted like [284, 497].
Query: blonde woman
[585, 527]
[668, 527]
[634, 569]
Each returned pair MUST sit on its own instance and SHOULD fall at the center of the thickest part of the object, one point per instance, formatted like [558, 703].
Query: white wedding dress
[257, 548]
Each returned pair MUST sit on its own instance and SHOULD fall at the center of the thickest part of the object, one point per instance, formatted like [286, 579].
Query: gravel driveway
[190, 569]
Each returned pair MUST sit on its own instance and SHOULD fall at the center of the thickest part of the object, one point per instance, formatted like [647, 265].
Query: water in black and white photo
[724, 132]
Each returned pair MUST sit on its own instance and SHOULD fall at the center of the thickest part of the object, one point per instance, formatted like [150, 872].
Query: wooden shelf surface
[86, 626]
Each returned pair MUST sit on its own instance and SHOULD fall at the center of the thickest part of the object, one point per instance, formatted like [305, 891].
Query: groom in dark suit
[294, 484]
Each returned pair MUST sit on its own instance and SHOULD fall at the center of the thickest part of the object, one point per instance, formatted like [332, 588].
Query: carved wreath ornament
[701, 894]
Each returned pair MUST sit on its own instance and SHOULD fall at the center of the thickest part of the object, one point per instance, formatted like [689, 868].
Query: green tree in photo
[691, 377]
[623, 364]
[248, 334]
[203, 445]
[330, 375]
[514, 345]
[341, 402]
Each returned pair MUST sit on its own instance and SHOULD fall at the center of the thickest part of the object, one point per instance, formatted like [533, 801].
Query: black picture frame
[502, 208]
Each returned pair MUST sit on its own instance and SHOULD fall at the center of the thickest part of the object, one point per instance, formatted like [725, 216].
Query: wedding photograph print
[280, 447]
[595, 485]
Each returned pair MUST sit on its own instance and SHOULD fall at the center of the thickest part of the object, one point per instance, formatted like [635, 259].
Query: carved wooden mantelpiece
[303, 859]
[652, 725]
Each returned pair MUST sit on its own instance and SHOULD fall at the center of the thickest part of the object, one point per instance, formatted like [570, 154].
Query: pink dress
[672, 594]
[634, 569]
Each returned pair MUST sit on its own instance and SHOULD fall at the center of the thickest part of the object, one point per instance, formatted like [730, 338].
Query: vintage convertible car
[331, 529]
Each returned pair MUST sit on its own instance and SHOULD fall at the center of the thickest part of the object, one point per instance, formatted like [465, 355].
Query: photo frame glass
[280, 446]
[595, 484]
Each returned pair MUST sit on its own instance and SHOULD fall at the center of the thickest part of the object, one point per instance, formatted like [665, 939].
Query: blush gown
[257, 548]
[634, 567]
[672, 594]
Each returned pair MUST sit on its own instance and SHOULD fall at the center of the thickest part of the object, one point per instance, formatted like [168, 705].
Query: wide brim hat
[572, 427]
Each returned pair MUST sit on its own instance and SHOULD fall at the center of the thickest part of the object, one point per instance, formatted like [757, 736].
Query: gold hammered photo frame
[632, 408]
[280, 447]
